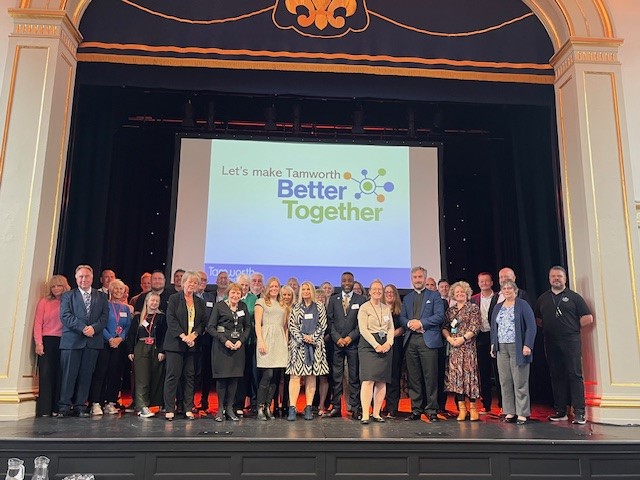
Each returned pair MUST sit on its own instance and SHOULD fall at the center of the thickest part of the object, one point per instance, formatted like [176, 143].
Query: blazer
[73, 315]
[341, 325]
[431, 317]
[525, 329]
[178, 322]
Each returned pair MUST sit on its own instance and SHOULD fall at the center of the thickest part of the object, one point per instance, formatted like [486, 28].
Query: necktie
[345, 304]
[87, 302]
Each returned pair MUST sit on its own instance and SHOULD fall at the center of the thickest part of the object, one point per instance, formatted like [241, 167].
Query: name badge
[235, 335]
[308, 316]
[240, 313]
[118, 330]
[123, 314]
[355, 306]
[220, 329]
[145, 324]
[209, 304]
[149, 341]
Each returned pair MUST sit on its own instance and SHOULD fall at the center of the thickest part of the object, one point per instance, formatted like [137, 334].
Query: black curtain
[118, 192]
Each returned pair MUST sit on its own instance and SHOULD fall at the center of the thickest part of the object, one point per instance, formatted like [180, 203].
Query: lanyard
[148, 329]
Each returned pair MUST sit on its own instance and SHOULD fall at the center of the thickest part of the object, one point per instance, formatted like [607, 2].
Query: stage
[126, 446]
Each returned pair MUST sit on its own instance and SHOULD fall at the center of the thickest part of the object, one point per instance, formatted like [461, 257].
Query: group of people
[260, 341]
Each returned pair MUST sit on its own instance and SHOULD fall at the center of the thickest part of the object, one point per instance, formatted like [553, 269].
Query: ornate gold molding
[602, 51]
[45, 23]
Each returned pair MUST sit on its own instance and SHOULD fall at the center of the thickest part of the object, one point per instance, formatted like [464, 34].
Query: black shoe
[364, 421]
[413, 416]
[232, 416]
[64, 414]
[336, 412]
[579, 419]
[356, 414]
[377, 419]
[219, 417]
[433, 418]
[83, 414]
[513, 419]
[522, 421]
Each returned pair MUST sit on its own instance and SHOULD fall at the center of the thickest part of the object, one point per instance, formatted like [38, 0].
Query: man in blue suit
[83, 312]
[422, 316]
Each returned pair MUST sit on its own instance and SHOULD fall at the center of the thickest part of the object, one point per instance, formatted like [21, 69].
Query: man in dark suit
[422, 316]
[83, 312]
[342, 314]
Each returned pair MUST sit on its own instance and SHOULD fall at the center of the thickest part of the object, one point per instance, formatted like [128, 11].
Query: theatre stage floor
[126, 446]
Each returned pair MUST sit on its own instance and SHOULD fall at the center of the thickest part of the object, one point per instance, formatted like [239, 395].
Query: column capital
[591, 51]
[45, 24]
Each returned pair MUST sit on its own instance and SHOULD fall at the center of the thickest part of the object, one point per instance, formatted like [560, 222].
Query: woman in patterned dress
[307, 354]
[461, 326]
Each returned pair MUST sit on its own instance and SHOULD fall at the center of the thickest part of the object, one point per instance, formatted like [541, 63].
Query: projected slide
[306, 210]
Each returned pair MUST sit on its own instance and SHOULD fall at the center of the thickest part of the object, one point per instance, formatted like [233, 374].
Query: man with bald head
[431, 284]
[507, 273]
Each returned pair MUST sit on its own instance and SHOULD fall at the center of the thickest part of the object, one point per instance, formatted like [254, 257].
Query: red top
[47, 321]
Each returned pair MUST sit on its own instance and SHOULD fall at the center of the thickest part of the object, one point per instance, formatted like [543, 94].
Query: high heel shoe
[230, 415]
[219, 416]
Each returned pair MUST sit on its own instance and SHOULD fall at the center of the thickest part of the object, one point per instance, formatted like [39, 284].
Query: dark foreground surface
[126, 446]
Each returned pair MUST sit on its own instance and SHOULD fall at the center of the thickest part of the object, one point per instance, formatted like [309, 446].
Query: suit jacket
[73, 315]
[431, 317]
[526, 328]
[178, 321]
[341, 325]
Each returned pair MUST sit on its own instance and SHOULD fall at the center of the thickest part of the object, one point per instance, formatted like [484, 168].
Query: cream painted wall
[5, 29]
[626, 18]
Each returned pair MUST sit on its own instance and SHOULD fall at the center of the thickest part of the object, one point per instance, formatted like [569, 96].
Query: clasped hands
[384, 348]
[456, 341]
[415, 326]
[344, 342]
[115, 342]
[190, 339]
[233, 346]
[88, 331]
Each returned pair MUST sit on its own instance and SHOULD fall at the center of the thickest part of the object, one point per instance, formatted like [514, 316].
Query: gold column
[602, 242]
[35, 102]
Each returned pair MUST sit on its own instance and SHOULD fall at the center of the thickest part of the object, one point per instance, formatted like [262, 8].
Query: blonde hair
[465, 287]
[57, 279]
[311, 286]
[266, 295]
[143, 313]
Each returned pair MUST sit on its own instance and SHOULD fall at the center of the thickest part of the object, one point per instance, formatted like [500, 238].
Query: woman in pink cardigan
[47, 330]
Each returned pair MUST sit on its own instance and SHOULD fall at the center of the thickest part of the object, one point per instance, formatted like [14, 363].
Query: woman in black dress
[186, 320]
[230, 328]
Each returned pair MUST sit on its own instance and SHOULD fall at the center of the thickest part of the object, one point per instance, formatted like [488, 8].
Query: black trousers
[422, 366]
[392, 398]
[180, 369]
[107, 376]
[339, 355]
[77, 367]
[49, 377]
[203, 375]
[485, 367]
[565, 366]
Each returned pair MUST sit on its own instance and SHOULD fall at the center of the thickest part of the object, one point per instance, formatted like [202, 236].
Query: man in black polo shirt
[562, 312]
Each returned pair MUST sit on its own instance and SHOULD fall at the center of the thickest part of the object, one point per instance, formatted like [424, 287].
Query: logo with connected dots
[369, 185]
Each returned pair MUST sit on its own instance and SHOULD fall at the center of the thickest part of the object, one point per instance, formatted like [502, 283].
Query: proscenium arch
[563, 19]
